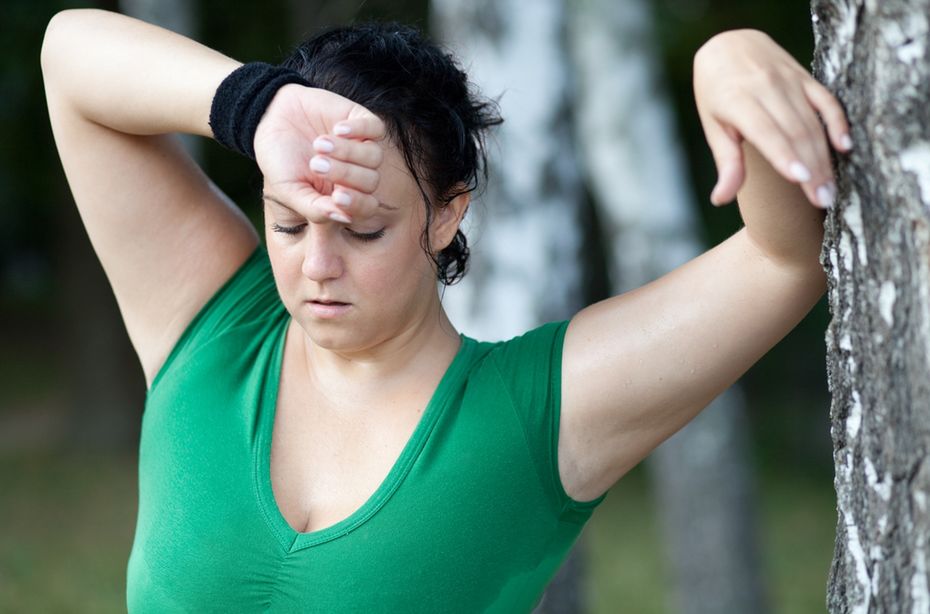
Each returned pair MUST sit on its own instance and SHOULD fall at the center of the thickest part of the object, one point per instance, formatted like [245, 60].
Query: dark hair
[431, 111]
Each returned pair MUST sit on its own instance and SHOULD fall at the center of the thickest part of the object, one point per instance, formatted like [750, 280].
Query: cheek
[286, 268]
[395, 273]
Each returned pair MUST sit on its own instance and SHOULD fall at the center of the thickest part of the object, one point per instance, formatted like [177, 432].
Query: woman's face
[352, 287]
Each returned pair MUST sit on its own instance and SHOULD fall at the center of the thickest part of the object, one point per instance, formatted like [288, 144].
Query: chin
[344, 340]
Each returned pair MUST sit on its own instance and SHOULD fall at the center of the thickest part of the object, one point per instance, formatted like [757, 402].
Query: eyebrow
[266, 196]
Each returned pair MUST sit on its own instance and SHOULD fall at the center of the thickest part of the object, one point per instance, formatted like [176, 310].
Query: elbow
[51, 42]
[55, 45]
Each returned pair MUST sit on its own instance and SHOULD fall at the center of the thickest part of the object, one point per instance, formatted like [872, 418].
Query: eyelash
[288, 230]
[361, 236]
[367, 236]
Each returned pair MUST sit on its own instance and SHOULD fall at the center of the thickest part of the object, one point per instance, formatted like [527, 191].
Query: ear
[446, 221]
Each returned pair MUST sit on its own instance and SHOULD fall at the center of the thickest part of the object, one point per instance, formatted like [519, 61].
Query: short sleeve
[531, 369]
[249, 295]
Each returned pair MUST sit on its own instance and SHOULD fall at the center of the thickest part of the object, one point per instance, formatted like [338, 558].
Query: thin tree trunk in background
[525, 230]
[106, 386]
[635, 167]
[874, 56]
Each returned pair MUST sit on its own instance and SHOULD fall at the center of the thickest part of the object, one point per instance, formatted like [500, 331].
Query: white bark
[524, 229]
[636, 170]
[874, 56]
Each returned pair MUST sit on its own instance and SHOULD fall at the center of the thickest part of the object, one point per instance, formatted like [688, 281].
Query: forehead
[397, 185]
[397, 192]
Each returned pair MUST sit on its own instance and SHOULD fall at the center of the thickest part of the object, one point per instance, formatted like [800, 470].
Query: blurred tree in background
[69, 379]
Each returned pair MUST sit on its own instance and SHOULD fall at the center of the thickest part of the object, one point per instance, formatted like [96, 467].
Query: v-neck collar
[289, 538]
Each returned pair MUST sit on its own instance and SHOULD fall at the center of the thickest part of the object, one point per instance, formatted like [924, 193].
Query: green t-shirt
[471, 518]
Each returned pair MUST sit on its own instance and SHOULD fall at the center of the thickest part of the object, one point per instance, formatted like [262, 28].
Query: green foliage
[67, 529]
[796, 522]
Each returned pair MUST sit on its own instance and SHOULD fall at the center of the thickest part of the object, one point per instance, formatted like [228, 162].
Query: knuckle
[367, 155]
[363, 179]
[796, 131]
[337, 172]
[372, 180]
[787, 153]
[768, 76]
[377, 155]
[836, 116]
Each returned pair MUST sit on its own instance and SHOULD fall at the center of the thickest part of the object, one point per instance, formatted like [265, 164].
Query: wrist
[240, 102]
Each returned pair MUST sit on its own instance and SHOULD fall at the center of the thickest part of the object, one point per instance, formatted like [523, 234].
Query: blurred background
[613, 84]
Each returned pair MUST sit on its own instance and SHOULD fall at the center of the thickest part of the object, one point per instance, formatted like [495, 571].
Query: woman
[317, 436]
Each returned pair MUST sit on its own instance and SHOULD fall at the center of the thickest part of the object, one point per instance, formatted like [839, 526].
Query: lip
[327, 309]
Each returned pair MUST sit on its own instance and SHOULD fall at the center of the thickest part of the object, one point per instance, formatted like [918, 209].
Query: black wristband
[241, 100]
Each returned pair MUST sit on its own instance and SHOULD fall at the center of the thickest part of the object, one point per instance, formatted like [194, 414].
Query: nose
[322, 260]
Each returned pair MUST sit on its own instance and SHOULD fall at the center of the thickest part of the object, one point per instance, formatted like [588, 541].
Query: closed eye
[366, 236]
[288, 230]
[360, 236]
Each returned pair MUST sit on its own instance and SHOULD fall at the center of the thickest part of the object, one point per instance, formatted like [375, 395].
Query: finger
[728, 157]
[321, 208]
[349, 175]
[363, 153]
[797, 120]
[325, 209]
[832, 113]
[364, 125]
[760, 129]
[823, 184]
[357, 204]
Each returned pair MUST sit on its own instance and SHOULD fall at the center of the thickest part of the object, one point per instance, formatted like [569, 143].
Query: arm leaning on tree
[166, 236]
[639, 366]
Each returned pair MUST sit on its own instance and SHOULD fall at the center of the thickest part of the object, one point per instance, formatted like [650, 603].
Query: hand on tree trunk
[747, 87]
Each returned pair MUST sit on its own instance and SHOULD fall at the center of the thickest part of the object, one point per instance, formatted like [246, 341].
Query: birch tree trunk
[874, 56]
[525, 231]
[635, 167]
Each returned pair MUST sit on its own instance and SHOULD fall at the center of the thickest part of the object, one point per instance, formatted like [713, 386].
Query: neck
[420, 353]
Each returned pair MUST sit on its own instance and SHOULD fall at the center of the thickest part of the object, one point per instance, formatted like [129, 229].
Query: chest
[327, 461]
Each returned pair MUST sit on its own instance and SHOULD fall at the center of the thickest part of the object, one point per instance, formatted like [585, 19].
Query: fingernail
[343, 199]
[799, 171]
[825, 195]
[339, 217]
[323, 145]
[846, 141]
[320, 165]
[341, 129]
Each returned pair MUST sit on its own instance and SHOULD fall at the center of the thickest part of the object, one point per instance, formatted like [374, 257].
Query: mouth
[326, 309]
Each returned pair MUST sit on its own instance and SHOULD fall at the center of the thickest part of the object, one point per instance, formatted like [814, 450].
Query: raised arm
[166, 236]
[638, 367]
